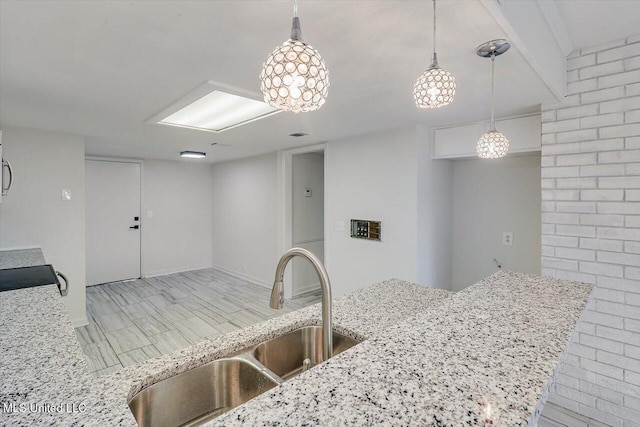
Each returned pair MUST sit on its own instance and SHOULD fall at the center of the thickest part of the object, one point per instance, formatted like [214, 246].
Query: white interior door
[113, 221]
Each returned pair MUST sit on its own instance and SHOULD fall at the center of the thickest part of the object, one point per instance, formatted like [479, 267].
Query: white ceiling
[102, 69]
[594, 22]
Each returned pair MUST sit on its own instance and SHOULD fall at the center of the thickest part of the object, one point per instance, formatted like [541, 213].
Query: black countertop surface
[27, 277]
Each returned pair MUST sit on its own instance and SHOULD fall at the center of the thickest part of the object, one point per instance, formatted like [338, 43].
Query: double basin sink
[205, 392]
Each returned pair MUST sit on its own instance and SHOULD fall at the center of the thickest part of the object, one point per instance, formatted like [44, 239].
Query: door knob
[134, 227]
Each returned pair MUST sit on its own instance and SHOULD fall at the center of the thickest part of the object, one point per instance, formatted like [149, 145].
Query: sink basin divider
[247, 356]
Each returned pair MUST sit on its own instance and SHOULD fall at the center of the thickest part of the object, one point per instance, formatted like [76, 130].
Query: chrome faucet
[277, 293]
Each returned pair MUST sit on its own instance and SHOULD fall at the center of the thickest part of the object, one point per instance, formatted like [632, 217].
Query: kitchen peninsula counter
[431, 357]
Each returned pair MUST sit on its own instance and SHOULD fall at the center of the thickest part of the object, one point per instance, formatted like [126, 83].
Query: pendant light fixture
[436, 87]
[493, 144]
[294, 77]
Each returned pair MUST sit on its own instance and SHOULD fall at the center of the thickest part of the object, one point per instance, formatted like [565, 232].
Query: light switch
[340, 226]
[149, 214]
[307, 192]
[66, 194]
[507, 238]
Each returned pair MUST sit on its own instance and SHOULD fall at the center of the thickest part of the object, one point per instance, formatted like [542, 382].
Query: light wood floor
[135, 320]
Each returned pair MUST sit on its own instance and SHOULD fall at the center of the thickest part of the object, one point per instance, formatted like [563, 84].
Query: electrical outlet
[340, 226]
[507, 238]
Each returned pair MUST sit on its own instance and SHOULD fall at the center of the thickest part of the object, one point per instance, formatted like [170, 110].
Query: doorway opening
[303, 214]
[308, 218]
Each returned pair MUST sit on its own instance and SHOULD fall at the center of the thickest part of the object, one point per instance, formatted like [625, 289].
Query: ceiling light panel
[193, 154]
[215, 108]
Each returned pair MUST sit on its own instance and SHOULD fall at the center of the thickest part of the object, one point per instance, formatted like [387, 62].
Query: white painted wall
[372, 177]
[308, 216]
[434, 220]
[34, 214]
[244, 218]
[178, 235]
[489, 197]
[387, 176]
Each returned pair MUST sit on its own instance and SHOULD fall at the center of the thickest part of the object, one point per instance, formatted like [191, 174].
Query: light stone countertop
[431, 358]
[497, 343]
[21, 258]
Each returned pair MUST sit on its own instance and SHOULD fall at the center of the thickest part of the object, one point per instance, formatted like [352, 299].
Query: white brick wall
[591, 227]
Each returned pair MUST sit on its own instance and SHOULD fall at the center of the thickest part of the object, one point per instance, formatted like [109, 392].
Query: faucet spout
[277, 293]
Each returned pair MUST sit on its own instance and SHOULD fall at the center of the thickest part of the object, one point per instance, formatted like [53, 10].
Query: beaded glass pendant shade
[435, 88]
[294, 76]
[492, 145]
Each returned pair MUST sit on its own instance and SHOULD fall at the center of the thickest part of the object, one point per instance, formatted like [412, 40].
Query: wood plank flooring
[136, 320]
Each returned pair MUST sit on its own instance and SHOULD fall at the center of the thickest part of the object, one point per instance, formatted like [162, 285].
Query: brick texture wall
[591, 226]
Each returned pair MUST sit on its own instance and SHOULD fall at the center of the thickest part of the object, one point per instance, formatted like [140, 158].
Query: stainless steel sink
[202, 393]
[297, 351]
[206, 392]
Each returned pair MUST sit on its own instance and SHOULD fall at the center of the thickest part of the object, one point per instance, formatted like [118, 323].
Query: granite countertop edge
[106, 396]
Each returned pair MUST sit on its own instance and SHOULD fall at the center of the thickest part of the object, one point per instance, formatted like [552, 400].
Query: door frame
[142, 227]
[285, 204]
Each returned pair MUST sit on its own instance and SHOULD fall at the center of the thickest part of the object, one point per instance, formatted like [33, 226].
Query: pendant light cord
[434, 27]
[493, 59]
[295, 8]
[434, 58]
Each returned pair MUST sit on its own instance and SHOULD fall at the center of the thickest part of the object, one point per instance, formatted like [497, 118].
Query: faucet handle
[277, 295]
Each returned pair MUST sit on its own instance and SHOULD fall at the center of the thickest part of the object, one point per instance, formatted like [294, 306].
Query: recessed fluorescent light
[214, 107]
[193, 154]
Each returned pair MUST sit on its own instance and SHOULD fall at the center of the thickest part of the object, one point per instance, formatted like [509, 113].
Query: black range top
[27, 277]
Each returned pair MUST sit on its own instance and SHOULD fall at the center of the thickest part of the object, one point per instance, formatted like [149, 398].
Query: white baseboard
[82, 321]
[305, 289]
[243, 276]
[181, 270]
